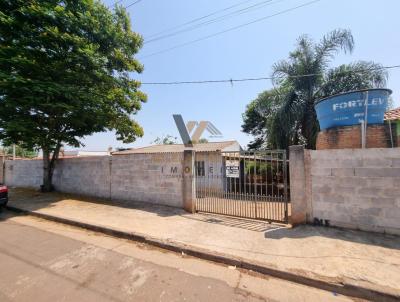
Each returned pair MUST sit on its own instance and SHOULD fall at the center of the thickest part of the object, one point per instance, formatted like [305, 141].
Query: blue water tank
[348, 108]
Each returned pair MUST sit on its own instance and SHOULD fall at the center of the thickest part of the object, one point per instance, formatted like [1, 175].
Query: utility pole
[365, 121]
[362, 134]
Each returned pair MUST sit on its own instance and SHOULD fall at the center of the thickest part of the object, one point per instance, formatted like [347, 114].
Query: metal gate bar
[244, 184]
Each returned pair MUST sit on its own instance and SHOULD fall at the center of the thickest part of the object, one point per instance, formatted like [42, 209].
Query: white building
[80, 153]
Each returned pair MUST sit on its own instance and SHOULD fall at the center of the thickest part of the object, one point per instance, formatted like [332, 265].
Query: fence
[155, 178]
[351, 188]
[245, 184]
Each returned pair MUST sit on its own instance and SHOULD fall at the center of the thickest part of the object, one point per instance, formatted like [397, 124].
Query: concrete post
[189, 185]
[398, 134]
[298, 191]
[2, 170]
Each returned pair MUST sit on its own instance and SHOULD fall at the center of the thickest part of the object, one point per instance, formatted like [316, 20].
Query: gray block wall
[85, 176]
[23, 173]
[357, 188]
[154, 178]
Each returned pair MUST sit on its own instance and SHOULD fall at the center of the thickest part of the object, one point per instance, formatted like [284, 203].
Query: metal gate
[244, 184]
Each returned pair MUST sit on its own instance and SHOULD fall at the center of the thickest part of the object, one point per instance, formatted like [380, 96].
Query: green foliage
[259, 168]
[65, 73]
[259, 120]
[19, 152]
[165, 140]
[285, 115]
[345, 78]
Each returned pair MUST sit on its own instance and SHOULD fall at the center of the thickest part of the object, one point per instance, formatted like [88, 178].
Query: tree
[285, 115]
[165, 140]
[65, 73]
[259, 120]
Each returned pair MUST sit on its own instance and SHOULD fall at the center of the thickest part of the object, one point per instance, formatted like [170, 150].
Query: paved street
[46, 261]
[332, 255]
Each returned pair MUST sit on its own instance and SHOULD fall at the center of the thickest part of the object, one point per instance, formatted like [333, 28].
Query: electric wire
[230, 29]
[135, 2]
[231, 81]
[199, 18]
[264, 78]
[241, 11]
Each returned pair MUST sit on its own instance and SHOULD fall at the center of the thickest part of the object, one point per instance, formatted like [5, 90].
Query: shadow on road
[247, 224]
[31, 199]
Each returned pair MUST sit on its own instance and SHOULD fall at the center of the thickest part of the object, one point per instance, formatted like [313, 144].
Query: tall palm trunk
[309, 128]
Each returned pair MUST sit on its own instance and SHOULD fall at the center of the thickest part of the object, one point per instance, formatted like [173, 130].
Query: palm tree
[294, 120]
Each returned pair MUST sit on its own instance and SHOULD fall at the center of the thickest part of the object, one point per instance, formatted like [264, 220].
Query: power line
[258, 5]
[231, 81]
[129, 5]
[195, 26]
[264, 78]
[200, 18]
[135, 2]
[230, 29]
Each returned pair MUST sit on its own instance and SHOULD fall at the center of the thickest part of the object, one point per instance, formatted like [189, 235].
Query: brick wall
[356, 188]
[349, 137]
[153, 178]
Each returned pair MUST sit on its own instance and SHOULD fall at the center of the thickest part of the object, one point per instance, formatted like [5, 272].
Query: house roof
[392, 115]
[206, 147]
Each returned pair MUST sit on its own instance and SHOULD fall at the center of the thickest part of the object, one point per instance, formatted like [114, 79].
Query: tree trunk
[49, 161]
[309, 126]
[47, 176]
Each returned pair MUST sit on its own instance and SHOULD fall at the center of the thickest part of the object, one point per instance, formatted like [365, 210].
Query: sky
[247, 52]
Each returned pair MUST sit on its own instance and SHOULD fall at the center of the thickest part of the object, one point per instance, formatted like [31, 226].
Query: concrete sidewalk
[350, 258]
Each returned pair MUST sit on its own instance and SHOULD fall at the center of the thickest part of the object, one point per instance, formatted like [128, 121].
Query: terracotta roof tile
[392, 115]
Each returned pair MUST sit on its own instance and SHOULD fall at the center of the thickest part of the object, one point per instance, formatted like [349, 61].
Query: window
[200, 171]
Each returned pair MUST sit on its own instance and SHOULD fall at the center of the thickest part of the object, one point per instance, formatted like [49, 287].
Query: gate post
[189, 185]
[298, 185]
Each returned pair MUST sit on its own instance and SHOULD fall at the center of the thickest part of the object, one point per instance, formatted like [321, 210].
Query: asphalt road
[47, 261]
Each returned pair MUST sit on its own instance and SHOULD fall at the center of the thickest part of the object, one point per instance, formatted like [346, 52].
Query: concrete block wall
[23, 173]
[85, 175]
[154, 178]
[356, 188]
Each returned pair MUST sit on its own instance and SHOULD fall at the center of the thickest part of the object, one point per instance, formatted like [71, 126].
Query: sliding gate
[244, 184]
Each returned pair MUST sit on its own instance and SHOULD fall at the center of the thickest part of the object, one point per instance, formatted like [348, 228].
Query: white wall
[214, 174]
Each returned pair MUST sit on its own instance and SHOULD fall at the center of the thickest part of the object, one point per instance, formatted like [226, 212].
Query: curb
[340, 288]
